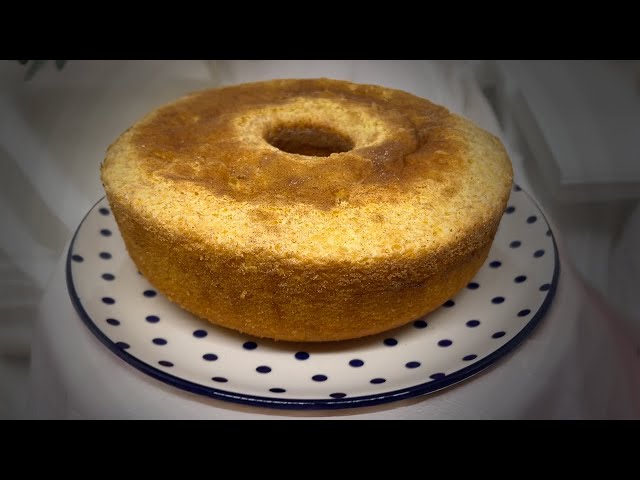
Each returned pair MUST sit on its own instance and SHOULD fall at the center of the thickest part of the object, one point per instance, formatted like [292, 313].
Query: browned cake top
[318, 142]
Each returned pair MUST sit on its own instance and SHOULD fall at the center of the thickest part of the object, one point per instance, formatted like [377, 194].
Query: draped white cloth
[54, 132]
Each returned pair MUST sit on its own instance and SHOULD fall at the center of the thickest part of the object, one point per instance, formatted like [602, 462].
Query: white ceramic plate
[481, 324]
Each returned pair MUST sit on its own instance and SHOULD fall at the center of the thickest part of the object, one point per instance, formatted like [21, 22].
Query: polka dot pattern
[424, 355]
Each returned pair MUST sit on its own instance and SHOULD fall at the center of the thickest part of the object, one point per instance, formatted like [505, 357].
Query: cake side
[292, 300]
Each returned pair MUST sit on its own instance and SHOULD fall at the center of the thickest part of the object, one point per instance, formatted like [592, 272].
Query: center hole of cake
[314, 141]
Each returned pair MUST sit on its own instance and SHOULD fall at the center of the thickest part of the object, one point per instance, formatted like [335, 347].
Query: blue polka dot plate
[480, 325]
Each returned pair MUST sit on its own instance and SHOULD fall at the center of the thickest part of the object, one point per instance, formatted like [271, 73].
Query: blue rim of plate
[320, 404]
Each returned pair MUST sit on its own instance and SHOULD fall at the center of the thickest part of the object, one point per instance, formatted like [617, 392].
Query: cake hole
[309, 140]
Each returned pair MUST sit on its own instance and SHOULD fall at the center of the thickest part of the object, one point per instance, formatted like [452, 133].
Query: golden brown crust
[310, 246]
[217, 139]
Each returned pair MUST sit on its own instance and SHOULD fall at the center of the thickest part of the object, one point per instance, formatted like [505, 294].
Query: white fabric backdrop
[54, 132]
